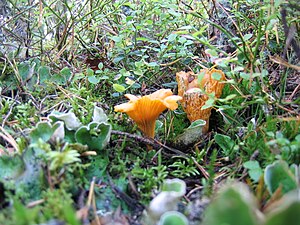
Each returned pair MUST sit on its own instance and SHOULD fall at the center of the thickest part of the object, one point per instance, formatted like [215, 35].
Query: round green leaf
[119, 88]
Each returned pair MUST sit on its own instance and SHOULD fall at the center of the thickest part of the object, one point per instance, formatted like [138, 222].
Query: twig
[294, 92]
[6, 136]
[88, 153]
[170, 63]
[148, 141]
[82, 214]
[286, 109]
[35, 203]
[131, 202]
[97, 220]
[8, 114]
[157, 144]
[280, 61]
[91, 192]
[289, 34]
[204, 172]
[194, 190]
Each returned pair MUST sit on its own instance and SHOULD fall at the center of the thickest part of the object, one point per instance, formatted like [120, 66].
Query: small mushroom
[145, 110]
[194, 92]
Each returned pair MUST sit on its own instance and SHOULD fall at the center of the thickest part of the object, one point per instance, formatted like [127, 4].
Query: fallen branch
[149, 141]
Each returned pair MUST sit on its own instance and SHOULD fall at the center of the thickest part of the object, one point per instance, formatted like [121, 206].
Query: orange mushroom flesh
[194, 93]
[145, 110]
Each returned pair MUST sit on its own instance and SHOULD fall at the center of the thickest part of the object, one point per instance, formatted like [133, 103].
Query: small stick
[97, 220]
[149, 141]
[35, 203]
[91, 192]
[204, 172]
[7, 137]
[156, 143]
[88, 153]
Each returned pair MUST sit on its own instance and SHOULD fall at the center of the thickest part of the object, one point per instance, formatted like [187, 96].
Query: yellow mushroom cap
[211, 85]
[145, 110]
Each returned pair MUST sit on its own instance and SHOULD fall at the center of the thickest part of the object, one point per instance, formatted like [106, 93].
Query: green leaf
[238, 69]
[26, 70]
[128, 18]
[216, 76]
[245, 76]
[70, 215]
[24, 214]
[89, 72]
[228, 97]
[99, 115]
[192, 134]
[98, 166]
[58, 79]
[66, 73]
[209, 103]
[11, 167]
[23, 174]
[32, 180]
[94, 135]
[104, 77]
[288, 215]
[100, 66]
[200, 77]
[231, 207]
[124, 72]
[247, 36]
[255, 170]
[138, 72]
[70, 119]
[152, 64]
[44, 73]
[43, 130]
[118, 58]
[93, 79]
[59, 131]
[62, 77]
[252, 164]
[212, 52]
[172, 37]
[278, 175]
[116, 38]
[119, 88]
[225, 142]
[149, 22]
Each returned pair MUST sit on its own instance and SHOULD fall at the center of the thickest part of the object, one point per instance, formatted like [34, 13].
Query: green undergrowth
[67, 156]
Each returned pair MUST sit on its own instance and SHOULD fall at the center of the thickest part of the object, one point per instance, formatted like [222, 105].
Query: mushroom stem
[145, 110]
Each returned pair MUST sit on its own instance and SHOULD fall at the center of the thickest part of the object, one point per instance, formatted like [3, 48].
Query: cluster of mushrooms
[193, 92]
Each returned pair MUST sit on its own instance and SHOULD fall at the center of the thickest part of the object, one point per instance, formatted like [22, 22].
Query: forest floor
[103, 106]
